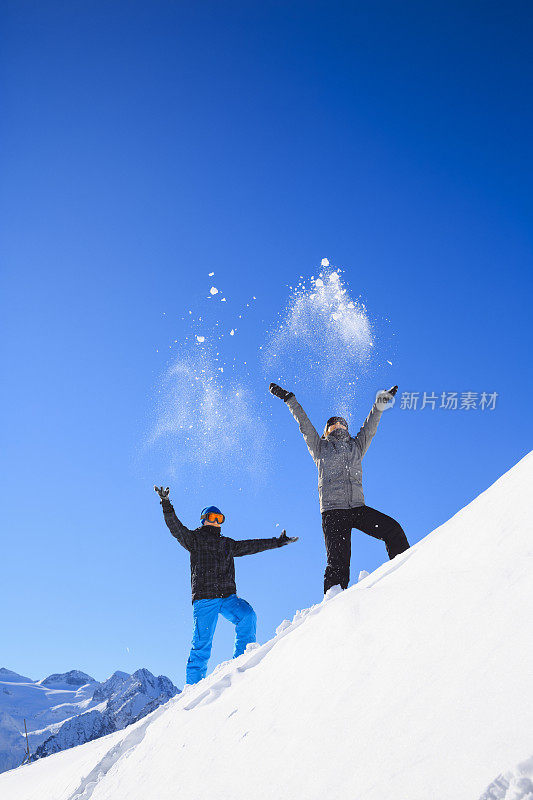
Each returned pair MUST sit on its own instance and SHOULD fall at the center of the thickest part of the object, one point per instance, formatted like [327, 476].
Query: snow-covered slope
[8, 676]
[414, 684]
[71, 708]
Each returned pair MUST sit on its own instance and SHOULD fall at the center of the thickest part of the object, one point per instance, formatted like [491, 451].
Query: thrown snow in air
[206, 419]
[325, 337]
[206, 414]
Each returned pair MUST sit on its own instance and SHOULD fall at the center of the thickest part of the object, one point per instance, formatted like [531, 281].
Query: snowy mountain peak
[142, 674]
[69, 679]
[67, 709]
[145, 679]
[9, 676]
[119, 675]
[108, 687]
[121, 700]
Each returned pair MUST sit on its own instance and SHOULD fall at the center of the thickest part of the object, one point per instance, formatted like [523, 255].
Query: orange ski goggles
[212, 516]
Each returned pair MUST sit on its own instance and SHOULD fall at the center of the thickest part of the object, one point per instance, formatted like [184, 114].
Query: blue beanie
[210, 510]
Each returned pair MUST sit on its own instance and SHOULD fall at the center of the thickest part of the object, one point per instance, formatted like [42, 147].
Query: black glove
[163, 493]
[393, 390]
[284, 539]
[277, 391]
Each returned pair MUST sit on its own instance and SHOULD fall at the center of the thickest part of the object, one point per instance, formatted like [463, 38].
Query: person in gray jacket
[342, 504]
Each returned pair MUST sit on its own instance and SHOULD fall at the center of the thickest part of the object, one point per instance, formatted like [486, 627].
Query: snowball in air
[319, 282]
[211, 274]
[213, 290]
[324, 262]
[201, 338]
[232, 332]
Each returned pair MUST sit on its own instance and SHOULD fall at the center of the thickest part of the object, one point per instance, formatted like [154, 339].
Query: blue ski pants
[205, 616]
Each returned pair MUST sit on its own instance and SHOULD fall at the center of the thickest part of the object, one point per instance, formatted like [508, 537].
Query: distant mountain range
[67, 709]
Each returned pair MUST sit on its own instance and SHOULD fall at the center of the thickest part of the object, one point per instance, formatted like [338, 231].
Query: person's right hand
[385, 397]
[163, 493]
[277, 391]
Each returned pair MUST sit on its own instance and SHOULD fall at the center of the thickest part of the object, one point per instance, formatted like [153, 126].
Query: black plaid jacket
[212, 566]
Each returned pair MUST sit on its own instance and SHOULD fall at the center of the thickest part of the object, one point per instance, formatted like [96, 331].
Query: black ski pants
[337, 525]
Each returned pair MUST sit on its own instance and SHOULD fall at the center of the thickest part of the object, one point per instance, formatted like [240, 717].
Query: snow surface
[516, 784]
[414, 684]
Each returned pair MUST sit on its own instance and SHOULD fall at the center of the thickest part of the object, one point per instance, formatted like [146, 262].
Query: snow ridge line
[89, 783]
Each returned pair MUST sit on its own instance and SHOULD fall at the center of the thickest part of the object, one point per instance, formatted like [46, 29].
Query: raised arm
[178, 530]
[370, 425]
[368, 430]
[307, 429]
[247, 547]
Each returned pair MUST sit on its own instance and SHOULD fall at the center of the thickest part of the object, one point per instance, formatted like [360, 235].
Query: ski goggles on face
[334, 426]
[213, 517]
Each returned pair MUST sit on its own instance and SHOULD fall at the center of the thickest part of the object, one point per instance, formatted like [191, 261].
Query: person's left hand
[284, 539]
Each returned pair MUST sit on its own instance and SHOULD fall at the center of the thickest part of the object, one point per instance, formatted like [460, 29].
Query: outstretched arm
[176, 528]
[368, 430]
[247, 547]
[307, 429]
[370, 425]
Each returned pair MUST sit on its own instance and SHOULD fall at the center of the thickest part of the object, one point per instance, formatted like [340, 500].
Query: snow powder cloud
[206, 419]
[324, 340]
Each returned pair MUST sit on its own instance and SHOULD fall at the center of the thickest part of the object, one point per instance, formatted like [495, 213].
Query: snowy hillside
[414, 684]
[68, 709]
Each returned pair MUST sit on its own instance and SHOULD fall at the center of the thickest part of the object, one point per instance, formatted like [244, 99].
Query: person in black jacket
[213, 581]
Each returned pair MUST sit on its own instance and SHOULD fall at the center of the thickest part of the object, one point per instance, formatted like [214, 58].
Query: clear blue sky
[146, 144]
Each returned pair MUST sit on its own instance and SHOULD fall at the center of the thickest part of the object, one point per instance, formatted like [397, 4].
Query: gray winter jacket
[338, 460]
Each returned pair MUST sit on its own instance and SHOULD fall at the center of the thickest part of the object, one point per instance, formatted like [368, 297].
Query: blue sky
[146, 145]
